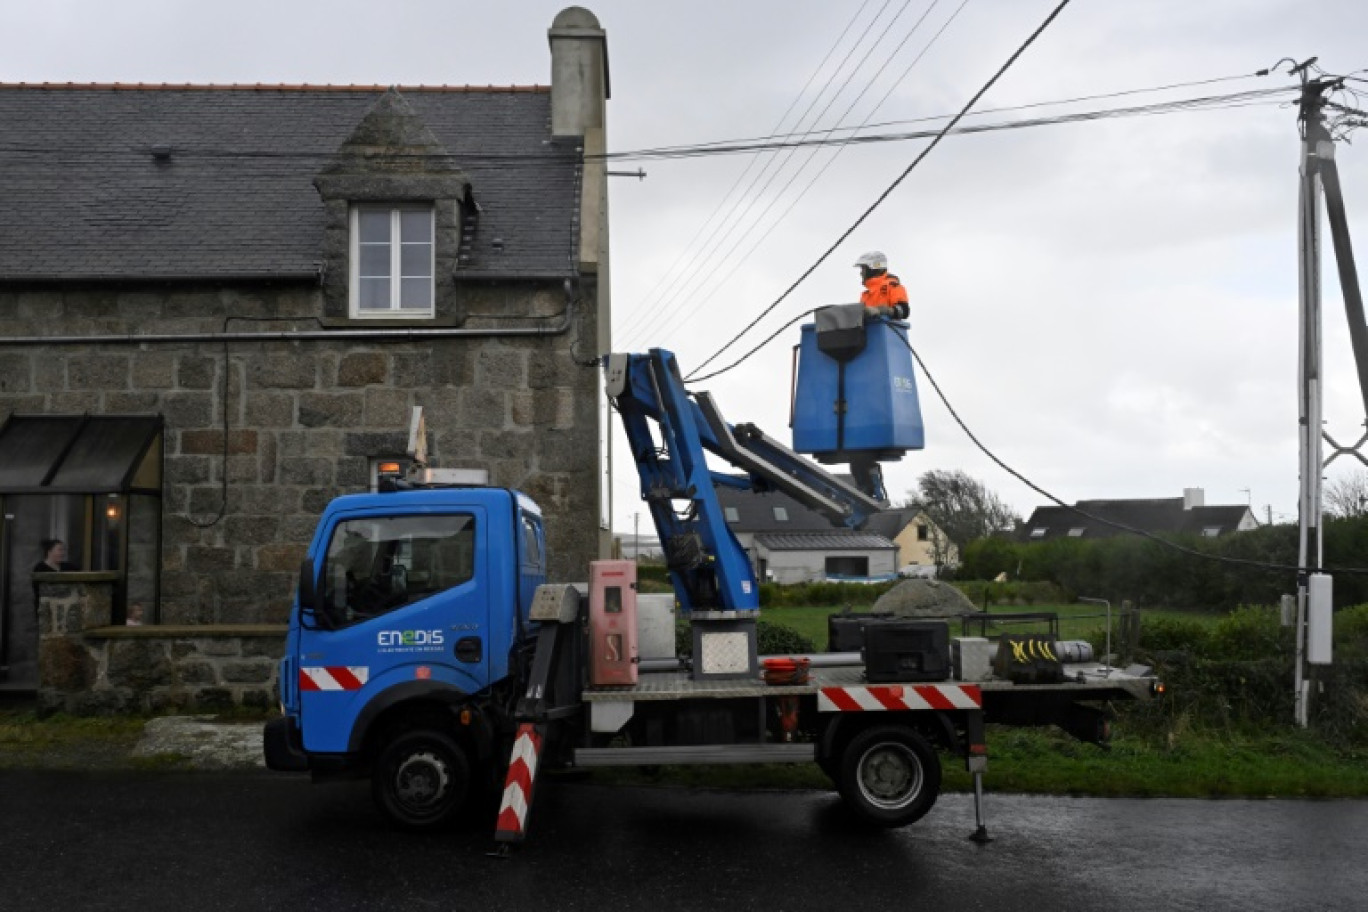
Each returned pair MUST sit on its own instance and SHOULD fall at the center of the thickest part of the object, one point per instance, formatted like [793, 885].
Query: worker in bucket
[884, 294]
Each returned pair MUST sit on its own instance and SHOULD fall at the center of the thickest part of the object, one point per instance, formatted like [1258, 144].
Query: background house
[922, 546]
[1175, 515]
[251, 286]
[789, 543]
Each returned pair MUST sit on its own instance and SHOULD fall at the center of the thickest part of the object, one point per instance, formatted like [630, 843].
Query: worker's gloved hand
[872, 313]
[901, 311]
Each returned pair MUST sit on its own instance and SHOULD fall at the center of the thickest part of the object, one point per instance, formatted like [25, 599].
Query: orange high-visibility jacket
[883, 291]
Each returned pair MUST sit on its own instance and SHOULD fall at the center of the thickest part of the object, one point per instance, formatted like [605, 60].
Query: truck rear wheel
[889, 776]
[421, 779]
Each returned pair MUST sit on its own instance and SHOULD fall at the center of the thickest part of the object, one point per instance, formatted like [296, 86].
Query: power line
[674, 314]
[668, 277]
[760, 237]
[883, 196]
[1164, 107]
[659, 150]
[1240, 101]
[1221, 558]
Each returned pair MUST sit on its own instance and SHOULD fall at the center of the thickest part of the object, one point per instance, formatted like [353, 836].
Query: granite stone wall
[305, 419]
[86, 666]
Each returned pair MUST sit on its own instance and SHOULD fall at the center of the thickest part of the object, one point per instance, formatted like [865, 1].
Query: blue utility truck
[427, 651]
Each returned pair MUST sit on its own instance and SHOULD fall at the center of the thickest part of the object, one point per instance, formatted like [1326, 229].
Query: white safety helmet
[873, 260]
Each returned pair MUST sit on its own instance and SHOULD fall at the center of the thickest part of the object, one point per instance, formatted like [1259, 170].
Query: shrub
[1159, 635]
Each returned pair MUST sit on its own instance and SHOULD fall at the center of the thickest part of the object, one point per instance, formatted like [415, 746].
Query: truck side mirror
[308, 593]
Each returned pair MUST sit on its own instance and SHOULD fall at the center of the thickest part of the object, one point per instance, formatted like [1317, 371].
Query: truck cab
[411, 608]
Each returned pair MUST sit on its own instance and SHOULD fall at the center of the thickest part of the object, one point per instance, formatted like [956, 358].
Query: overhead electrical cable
[886, 193]
[933, 117]
[736, 255]
[718, 241]
[1238, 561]
[670, 274]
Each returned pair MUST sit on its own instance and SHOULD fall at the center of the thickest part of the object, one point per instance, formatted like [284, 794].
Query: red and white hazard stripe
[333, 677]
[894, 697]
[522, 775]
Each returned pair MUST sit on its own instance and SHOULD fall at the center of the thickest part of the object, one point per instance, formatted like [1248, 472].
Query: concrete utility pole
[1319, 175]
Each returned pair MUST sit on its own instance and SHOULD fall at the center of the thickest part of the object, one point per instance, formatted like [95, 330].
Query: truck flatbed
[1090, 681]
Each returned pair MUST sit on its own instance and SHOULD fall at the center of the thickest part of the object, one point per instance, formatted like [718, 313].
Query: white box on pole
[1319, 618]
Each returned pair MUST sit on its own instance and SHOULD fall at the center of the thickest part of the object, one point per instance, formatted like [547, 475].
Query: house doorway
[93, 482]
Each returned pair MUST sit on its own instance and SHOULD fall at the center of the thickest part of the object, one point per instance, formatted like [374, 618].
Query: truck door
[402, 598]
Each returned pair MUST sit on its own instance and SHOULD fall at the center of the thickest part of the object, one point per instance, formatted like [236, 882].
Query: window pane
[415, 260]
[415, 225]
[375, 260]
[374, 294]
[373, 226]
[416, 294]
[375, 566]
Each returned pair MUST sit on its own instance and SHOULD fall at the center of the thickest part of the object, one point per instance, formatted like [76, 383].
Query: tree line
[1210, 573]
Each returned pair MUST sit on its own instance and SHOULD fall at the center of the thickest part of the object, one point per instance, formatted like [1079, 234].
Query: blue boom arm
[708, 567]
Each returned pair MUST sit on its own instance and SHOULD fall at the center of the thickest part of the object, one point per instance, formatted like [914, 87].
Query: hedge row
[1150, 572]
[1239, 675]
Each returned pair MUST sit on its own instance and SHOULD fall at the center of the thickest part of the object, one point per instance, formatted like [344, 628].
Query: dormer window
[392, 261]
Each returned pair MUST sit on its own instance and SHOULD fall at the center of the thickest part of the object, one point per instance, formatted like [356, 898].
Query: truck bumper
[283, 746]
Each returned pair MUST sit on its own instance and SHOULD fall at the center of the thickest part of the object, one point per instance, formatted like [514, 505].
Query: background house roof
[86, 198]
[1154, 516]
[890, 523]
[804, 530]
[823, 541]
[755, 512]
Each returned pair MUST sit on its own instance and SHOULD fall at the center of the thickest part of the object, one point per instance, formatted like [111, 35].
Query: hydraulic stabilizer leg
[976, 762]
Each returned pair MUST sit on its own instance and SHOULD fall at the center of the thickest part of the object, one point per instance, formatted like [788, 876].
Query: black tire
[889, 776]
[421, 779]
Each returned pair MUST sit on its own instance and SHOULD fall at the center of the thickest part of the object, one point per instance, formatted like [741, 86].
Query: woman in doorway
[54, 561]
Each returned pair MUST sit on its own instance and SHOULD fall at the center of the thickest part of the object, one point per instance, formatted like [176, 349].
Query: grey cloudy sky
[1111, 306]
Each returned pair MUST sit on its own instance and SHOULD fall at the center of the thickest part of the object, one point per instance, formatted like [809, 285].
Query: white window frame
[1077, 532]
[781, 514]
[396, 273]
[1039, 532]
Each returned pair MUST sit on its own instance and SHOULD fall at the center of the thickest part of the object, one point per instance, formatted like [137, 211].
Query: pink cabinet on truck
[612, 623]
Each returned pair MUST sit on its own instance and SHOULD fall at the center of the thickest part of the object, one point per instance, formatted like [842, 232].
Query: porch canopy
[80, 454]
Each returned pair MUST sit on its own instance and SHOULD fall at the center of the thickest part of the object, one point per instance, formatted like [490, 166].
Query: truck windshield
[375, 565]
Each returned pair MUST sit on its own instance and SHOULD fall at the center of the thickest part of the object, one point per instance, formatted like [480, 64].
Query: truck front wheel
[421, 779]
[889, 776]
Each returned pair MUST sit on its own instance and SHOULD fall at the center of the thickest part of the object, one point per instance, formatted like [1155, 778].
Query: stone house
[221, 303]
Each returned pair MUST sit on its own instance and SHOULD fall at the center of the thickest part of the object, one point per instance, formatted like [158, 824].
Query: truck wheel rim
[422, 780]
[890, 776]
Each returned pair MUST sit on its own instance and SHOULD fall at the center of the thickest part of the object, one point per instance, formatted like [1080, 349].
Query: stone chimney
[579, 72]
[1193, 497]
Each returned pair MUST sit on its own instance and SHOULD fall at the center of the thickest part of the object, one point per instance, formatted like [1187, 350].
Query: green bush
[1351, 632]
[823, 594]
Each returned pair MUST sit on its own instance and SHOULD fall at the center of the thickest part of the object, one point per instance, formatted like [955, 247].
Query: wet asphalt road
[269, 841]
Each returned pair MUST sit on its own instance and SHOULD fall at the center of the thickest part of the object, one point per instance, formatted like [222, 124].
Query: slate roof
[823, 541]
[1160, 515]
[891, 522]
[83, 198]
[805, 530]
[755, 512]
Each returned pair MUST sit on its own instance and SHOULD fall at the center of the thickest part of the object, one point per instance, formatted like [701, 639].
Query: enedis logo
[409, 640]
